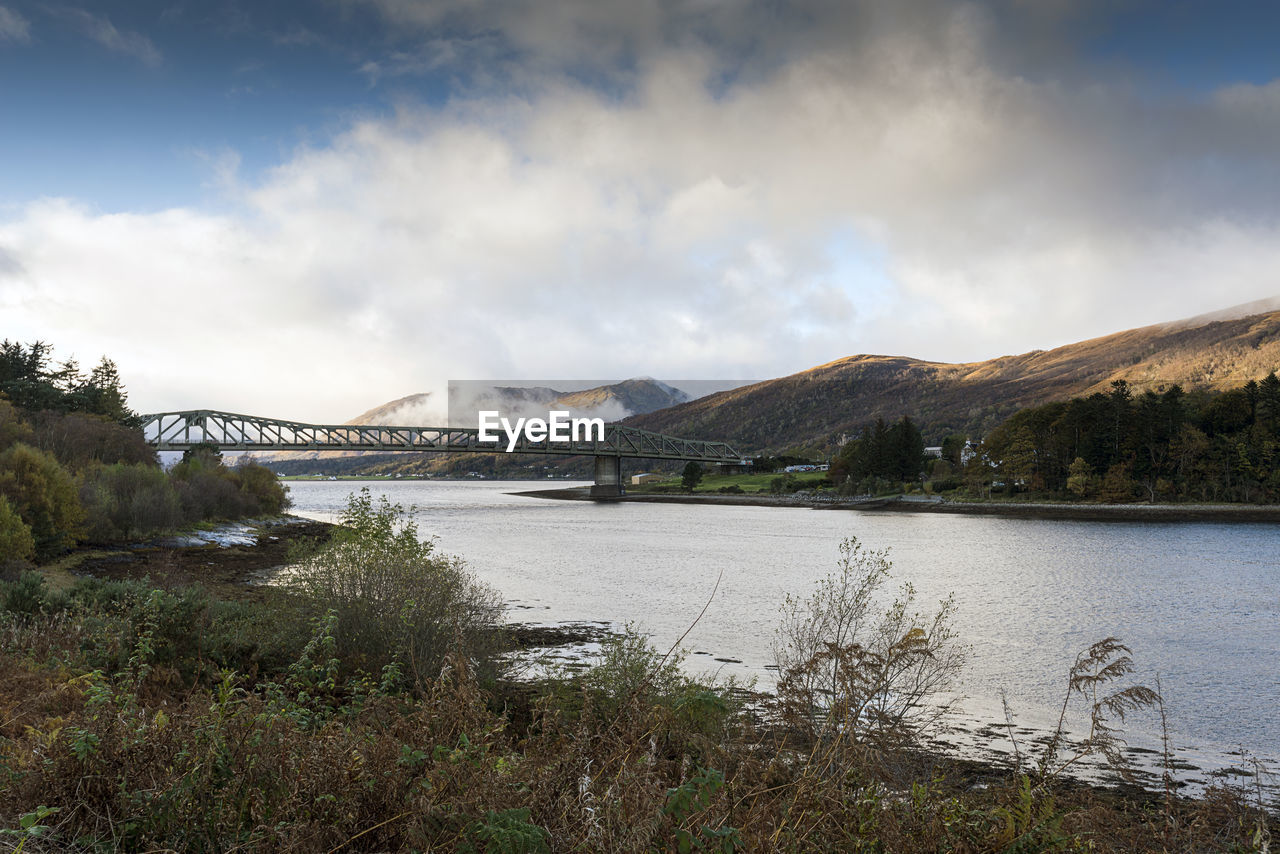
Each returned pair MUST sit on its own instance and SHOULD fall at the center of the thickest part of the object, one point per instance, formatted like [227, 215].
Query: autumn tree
[16, 542]
[44, 496]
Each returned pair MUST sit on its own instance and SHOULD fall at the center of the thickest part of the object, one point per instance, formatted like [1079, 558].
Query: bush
[784, 485]
[13, 428]
[630, 669]
[209, 494]
[28, 595]
[261, 488]
[16, 542]
[848, 669]
[44, 495]
[79, 441]
[395, 600]
[128, 501]
[207, 489]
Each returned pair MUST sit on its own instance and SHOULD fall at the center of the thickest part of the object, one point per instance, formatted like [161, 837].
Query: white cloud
[14, 27]
[130, 43]
[896, 188]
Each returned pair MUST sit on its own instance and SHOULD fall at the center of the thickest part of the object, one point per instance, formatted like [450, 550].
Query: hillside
[814, 408]
[611, 402]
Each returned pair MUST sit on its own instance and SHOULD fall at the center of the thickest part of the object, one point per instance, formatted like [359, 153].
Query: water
[1198, 603]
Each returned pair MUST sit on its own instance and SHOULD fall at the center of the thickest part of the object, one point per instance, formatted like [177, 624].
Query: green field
[748, 483]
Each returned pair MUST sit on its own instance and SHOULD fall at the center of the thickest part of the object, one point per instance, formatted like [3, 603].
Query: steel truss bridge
[178, 431]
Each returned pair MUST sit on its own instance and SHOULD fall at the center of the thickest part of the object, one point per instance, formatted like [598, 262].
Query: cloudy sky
[303, 209]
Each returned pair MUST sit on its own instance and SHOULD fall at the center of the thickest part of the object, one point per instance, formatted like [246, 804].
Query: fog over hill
[612, 402]
[816, 407]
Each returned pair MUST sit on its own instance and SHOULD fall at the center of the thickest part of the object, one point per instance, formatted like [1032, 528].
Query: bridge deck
[177, 431]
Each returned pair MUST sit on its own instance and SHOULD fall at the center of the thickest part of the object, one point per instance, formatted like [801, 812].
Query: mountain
[814, 409]
[637, 396]
[413, 409]
[612, 402]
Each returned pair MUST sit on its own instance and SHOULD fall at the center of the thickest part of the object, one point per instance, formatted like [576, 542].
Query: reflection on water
[1199, 603]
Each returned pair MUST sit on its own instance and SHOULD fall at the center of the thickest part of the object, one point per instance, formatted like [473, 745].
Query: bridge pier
[608, 478]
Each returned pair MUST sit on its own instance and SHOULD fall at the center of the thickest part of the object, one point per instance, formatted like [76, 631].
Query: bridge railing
[177, 431]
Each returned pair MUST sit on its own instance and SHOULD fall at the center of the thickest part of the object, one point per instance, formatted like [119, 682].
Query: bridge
[178, 431]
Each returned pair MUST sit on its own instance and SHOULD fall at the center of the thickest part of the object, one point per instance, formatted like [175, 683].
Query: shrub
[848, 668]
[207, 489]
[128, 501]
[79, 441]
[787, 483]
[13, 428]
[505, 832]
[16, 542]
[395, 599]
[629, 668]
[44, 496]
[209, 494]
[28, 595]
[261, 488]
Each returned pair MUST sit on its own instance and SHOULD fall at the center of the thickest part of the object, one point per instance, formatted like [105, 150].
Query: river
[1198, 603]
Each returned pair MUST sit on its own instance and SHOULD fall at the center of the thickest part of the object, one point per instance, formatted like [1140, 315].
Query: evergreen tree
[691, 477]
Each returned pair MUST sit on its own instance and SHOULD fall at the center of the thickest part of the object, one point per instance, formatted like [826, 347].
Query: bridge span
[178, 431]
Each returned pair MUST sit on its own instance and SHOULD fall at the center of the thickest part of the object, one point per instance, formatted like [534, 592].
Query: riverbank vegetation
[1167, 446]
[1116, 447]
[139, 717]
[75, 469]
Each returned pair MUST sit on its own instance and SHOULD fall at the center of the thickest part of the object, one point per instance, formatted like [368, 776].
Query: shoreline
[233, 569]
[228, 559]
[905, 504]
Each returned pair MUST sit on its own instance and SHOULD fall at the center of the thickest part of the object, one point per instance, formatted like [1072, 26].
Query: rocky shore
[226, 559]
[930, 504]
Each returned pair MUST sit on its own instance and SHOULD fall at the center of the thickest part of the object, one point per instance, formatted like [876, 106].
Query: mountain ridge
[815, 408]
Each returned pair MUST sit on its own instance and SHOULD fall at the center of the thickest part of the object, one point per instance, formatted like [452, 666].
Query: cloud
[14, 27]
[866, 179]
[105, 33]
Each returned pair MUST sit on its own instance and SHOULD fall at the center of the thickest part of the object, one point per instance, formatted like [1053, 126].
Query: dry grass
[138, 759]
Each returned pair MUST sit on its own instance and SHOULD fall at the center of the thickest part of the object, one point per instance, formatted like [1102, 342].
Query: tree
[260, 485]
[1269, 402]
[1117, 485]
[16, 542]
[691, 476]
[28, 379]
[202, 455]
[44, 495]
[80, 441]
[105, 394]
[952, 448]
[1080, 480]
[1018, 461]
[906, 450]
[978, 475]
[13, 428]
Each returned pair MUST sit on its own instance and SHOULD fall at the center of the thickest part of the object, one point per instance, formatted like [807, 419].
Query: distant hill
[411, 410]
[814, 409]
[612, 402]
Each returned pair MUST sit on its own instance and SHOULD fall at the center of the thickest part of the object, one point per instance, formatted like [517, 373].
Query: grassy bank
[751, 484]
[149, 715]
